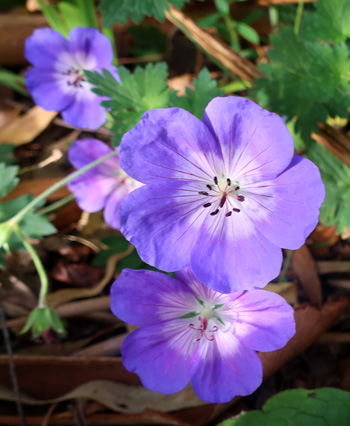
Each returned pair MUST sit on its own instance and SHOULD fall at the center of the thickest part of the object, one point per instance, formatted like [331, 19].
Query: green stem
[286, 264]
[30, 206]
[44, 282]
[230, 25]
[54, 206]
[298, 17]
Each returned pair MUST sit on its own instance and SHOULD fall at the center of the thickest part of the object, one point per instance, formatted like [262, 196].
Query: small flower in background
[57, 81]
[221, 196]
[102, 187]
[192, 333]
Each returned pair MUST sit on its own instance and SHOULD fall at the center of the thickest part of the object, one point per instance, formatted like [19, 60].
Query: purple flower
[192, 333]
[103, 186]
[57, 81]
[221, 196]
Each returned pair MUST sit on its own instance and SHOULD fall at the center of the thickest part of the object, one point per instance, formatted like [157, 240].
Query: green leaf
[330, 22]
[137, 93]
[13, 81]
[300, 407]
[336, 177]
[149, 40]
[309, 80]
[6, 153]
[223, 6]
[121, 10]
[8, 178]
[247, 32]
[195, 101]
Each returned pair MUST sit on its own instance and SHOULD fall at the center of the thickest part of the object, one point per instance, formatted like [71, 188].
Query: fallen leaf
[310, 324]
[304, 267]
[25, 128]
[288, 290]
[322, 239]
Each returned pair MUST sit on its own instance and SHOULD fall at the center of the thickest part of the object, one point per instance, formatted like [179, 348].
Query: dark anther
[236, 210]
[228, 181]
[222, 201]
[228, 214]
[207, 205]
[209, 187]
[202, 193]
[240, 198]
[237, 188]
[216, 180]
[214, 212]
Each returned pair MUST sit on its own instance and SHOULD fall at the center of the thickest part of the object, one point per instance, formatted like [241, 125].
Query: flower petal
[286, 209]
[85, 112]
[47, 90]
[162, 220]
[254, 142]
[44, 48]
[265, 320]
[90, 47]
[232, 255]
[171, 144]
[161, 355]
[84, 151]
[141, 297]
[224, 368]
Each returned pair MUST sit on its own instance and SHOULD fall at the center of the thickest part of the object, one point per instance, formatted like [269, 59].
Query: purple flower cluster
[57, 81]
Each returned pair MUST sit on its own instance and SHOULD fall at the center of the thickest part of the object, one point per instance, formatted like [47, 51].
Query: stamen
[203, 330]
[209, 187]
[202, 193]
[236, 210]
[241, 198]
[216, 180]
[207, 205]
[228, 181]
[215, 212]
[228, 214]
[223, 200]
[237, 188]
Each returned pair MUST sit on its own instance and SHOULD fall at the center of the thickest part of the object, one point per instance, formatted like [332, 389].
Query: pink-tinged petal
[47, 91]
[169, 144]
[149, 297]
[91, 190]
[224, 368]
[111, 211]
[286, 209]
[162, 220]
[86, 150]
[44, 48]
[90, 47]
[232, 255]
[264, 322]
[161, 355]
[85, 112]
[255, 143]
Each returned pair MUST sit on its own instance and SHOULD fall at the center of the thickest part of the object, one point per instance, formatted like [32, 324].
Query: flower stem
[54, 206]
[298, 17]
[44, 282]
[30, 206]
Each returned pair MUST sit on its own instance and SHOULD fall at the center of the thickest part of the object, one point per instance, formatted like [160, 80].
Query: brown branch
[218, 50]
[335, 141]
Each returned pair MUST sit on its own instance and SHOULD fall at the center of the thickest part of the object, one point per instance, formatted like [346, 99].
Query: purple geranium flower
[57, 81]
[103, 186]
[222, 195]
[192, 333]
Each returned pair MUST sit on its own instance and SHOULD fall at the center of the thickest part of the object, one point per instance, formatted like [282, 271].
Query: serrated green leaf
[8, 178]
[300, 407]
[137, 93]
[195, 101]
[330, 22]
[149, 40]
[121, 10]
[309, 80]
[336, 178]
